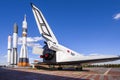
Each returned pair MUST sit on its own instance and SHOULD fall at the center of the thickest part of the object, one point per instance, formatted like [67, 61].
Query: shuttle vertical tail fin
[43, 25]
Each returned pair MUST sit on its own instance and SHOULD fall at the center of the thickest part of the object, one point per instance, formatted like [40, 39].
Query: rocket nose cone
[15, 28]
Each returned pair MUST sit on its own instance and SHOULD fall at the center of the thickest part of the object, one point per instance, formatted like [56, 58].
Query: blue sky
[86, 26]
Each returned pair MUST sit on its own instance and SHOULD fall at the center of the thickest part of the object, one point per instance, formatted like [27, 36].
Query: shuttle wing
[85, 61]
[89, 61]
[43, 26]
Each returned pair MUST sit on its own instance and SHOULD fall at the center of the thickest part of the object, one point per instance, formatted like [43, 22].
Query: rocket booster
[24, 33]
[15, 36]
[23, 60]
[14, 50]
[9, 49]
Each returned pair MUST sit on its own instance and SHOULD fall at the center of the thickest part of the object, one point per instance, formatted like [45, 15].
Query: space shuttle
[55, 54]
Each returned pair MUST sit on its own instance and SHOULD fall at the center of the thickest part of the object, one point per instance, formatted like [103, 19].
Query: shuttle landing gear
[52, 67]
[79, 68]
[60, 67]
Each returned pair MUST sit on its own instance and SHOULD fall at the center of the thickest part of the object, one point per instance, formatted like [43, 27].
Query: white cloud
[34, 45]
[3, 59]
[31, 41]
[117, 16]
[34, 39]
[5, 56]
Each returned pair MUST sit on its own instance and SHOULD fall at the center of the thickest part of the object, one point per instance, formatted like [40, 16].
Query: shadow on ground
[64, 69]
[7, 74]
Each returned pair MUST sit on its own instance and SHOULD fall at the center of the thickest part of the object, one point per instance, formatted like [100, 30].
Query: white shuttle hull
[54, 53]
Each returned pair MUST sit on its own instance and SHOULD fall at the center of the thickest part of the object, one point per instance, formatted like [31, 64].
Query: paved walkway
[87, 74]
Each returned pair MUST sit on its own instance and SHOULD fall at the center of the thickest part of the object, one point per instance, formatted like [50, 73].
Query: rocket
[14, 53]
[9, 49]
[23, 59]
